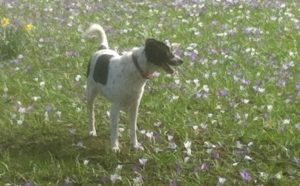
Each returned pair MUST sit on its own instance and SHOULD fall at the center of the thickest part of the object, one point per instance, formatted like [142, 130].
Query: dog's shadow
[55, 142]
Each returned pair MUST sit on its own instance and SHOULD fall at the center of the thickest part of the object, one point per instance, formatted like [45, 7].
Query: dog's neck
[141, 64]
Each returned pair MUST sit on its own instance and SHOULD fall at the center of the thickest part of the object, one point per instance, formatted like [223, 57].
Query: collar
[145, 75]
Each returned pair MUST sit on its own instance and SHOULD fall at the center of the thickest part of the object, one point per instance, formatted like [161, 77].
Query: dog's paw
[138, 146]
[116, 149]
[93, 133]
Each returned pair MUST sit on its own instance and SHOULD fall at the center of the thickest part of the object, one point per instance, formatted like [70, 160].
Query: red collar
[143, 74]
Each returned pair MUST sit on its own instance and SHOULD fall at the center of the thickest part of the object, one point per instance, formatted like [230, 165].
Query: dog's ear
[155, 50]
[150, 49]
[152, 45]
[151, 42]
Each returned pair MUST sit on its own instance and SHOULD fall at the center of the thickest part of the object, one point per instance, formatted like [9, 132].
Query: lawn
[229, 116]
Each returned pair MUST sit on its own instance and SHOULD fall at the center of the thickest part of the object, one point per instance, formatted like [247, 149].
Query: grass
[230, 116]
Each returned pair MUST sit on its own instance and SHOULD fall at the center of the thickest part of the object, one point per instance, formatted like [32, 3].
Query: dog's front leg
[114, 114]
[133, 112]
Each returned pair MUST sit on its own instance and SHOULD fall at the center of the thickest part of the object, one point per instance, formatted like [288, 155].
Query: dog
[122, 78]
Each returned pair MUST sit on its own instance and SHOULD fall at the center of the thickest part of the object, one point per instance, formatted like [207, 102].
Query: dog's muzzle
[176, 61]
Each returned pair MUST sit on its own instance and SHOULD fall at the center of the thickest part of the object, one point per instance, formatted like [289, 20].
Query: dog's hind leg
[114, 115]
[91, 94]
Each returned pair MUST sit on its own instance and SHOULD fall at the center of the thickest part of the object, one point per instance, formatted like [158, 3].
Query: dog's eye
[170, 54]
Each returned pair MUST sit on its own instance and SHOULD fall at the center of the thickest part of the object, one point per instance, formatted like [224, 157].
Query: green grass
[244, 129]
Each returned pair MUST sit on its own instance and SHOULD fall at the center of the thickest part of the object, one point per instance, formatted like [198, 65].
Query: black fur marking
[88, 68]
[101, 70]
[102, 47]
[157, 52]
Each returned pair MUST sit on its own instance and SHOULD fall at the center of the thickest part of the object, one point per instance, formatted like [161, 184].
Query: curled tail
[96, 30]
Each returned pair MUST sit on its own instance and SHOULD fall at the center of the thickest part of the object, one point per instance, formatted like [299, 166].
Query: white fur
[124, 87]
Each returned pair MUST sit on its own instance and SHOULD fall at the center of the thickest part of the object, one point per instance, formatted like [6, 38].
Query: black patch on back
[88, 68]
[102, 68]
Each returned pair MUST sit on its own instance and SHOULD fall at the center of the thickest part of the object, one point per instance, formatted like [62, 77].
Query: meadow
[229, 116]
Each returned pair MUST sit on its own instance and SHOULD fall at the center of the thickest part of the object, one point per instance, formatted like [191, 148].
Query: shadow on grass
[51, 147]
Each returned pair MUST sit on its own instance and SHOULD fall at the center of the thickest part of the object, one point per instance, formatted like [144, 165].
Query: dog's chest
[124, 88]
[101, 69]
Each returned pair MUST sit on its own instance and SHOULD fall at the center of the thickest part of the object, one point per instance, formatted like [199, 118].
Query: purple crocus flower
[48, 108]
[246, 82]
[137, 167]
[173, 183]
[204, 167]
[297, 126]
[193, 56]
[29, 183]
[105, 179]
[298, 86]
[245, 175]
[222, 92]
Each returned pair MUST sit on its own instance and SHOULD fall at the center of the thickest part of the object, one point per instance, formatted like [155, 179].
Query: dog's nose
[180, 61]
[176, 62]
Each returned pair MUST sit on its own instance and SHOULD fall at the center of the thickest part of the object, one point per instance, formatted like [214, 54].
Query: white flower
[250, 144]
[173, 146]
[186, 159]
[264, 175]
[261, 90]
[115, 177]
[206, 75]
[22, 110]
[248, 158]
[59, 87]
[46, 116]
[19, 122]
[235, 164]
[78, 109]
[239, 145]
[58, 114]
[221, 180]
[35, 98]
[187, 146]
[195, 127]
[78, 77]
[138, 180]
[143, 161]
[5, 89]
[245, 101]
[196, 81]
[149, 135]
[170, 137]
[85, 162]
[205, 88]
[42, 84]
[174, 97]
[157, 124]
[278, 175]
[157, 150]
[119, 167]
[269, 108]
[286, 121]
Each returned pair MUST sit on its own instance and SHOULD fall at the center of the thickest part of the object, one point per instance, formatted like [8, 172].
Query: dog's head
[160, 55]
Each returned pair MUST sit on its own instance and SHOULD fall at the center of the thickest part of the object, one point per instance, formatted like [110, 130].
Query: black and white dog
[122, 78]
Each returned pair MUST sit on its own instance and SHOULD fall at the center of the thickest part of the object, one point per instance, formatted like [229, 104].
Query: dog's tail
[96, 30]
